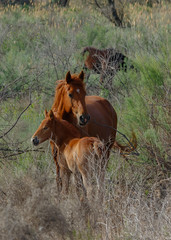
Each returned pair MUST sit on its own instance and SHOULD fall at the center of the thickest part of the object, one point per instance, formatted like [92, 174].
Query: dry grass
[133, 207]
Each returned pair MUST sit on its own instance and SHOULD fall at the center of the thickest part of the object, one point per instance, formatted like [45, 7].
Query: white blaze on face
[78, 90]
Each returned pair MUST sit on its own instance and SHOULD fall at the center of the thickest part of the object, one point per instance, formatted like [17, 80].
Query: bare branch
[24, 151]
[17, 118]
[2, 93]
[110, 11]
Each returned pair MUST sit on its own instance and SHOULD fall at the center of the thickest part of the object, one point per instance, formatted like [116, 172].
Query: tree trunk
[62, 3]
[115, 17]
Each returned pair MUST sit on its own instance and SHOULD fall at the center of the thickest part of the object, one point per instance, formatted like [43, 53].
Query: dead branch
[17, 118]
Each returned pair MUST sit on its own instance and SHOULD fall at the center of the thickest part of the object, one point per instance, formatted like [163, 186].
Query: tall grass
[32, 208]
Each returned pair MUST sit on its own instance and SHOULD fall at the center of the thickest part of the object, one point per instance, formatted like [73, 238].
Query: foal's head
[45, 130]
[70, 98]
[56, 129]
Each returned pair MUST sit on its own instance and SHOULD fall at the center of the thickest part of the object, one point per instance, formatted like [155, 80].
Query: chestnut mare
[72, 104]
[104, 62]
[93, 116]
[74, 153]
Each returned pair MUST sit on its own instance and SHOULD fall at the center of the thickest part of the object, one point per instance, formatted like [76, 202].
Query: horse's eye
[45, 128]
[70, 95]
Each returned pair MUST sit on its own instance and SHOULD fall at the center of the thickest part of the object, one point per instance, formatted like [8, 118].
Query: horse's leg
[86, 180]
[101, 163]
[103, 72]
[87, 73]
[102, 171]
[88, 187]
[79, 186]
[55, 158]
[101, 78]
[65, 174]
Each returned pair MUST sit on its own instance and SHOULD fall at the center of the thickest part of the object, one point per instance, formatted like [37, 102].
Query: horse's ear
[68, 77]
[46, 113]
[51, 115]
[81, 75]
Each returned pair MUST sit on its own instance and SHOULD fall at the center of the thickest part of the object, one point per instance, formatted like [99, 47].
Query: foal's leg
[79, 186]
[65, 174]
[103, 162]
[55, 158]
[101, 177]
[86, 180]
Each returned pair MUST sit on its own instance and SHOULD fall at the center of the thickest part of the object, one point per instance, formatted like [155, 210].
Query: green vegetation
[38, 45]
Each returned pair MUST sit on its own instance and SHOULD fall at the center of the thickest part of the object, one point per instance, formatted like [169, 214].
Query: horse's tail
[98, 148]
[126, 150]
[101, 156]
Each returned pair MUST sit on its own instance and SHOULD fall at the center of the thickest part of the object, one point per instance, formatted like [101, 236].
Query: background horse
[74, 152]
[105, 62]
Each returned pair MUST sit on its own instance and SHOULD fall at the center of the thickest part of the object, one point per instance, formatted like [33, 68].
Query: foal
[74, 152]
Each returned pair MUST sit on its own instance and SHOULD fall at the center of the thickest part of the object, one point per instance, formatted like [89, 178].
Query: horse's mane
[57, 106]
[89, 49]
[59, 94]
[106, 51]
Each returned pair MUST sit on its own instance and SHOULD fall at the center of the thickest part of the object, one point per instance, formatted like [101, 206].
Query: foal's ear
[81, 75]
[68, 77]
[51, 115]
[46, 113]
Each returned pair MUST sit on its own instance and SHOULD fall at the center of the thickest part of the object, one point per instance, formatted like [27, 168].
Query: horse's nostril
[84, 118]
[35, 141]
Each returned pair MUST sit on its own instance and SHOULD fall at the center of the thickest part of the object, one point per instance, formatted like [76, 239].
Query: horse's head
[45, 130]
[74, 97]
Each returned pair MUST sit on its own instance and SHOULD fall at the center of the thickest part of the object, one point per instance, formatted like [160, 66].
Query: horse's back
[87, 148]
[103, 118]
[77, 151]
[71, 152]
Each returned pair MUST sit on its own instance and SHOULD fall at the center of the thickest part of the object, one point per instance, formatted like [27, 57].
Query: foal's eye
[45, 128]
[70, 95]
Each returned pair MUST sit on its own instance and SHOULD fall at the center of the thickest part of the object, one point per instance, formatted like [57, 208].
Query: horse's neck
[60, 112]
[63, 133]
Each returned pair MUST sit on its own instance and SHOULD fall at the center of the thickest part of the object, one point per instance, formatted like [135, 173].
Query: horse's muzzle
[84, 119]
[35, 141]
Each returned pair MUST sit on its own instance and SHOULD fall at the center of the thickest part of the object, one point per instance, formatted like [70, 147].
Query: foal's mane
[58, 104]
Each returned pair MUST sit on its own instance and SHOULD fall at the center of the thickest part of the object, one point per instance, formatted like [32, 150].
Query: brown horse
[92, 115]
[74, 152]
[105, 62]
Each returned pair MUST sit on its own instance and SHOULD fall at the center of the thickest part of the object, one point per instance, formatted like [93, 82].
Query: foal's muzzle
[84, 119]
[35, 141]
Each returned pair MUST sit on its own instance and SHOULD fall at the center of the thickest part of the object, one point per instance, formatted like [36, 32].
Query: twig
[24, 151]
[3, 192]
[104, 125]
[2, 92]
[17, 119]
